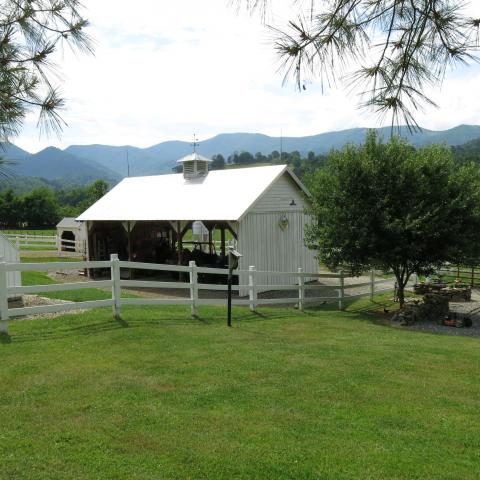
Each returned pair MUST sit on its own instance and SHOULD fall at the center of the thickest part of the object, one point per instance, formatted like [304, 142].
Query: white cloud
[163, 70]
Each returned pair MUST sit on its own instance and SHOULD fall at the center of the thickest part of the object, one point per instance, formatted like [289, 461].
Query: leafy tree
[392, 207]
[260, 158]
[30, 32]
[97, 190]
[218, 162]
[400, 48]
[11, 209]
[40, 208]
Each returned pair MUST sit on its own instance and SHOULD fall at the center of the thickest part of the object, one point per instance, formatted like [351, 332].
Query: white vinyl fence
[336, 290]
[9, 254]
[48, 243]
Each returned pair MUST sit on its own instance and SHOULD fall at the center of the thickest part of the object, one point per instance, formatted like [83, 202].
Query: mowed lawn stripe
[281, 395]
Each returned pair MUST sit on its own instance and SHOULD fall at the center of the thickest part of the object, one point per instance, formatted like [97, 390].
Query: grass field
[281, 395]
[39, 232]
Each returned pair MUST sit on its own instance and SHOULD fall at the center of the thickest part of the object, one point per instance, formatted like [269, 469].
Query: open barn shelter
[261, 210]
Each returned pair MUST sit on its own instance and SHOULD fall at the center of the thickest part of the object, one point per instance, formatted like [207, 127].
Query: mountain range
[81, 164]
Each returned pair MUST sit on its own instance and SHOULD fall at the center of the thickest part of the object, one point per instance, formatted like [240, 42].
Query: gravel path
[462, 309]
[36, 301]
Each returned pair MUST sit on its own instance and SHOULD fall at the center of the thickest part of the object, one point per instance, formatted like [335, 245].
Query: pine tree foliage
[30, 33]
[392, 50]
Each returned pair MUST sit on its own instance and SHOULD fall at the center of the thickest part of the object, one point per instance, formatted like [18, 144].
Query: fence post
[473, 277]
[3, 297]
[301, 288]
[341, 291]
[116, 291]
[252, 291]
[193, 286]
[372, 284]
[58, 242]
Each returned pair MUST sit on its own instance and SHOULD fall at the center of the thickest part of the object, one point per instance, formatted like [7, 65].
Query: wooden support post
[341, 291]
[210, 251]
[252, 291]
[301, 289]
[116, 291]
[3, 297]
[179, 244]
[193, 286]
[473, 277]
[222, 241]
[372, 284]
[179, 249]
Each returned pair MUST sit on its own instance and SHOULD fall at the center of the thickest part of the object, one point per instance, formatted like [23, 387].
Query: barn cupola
[194, 165]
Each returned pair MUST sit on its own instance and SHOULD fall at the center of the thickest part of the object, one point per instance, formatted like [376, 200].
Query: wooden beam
[222, 241]
[232, 231]
[179, 243]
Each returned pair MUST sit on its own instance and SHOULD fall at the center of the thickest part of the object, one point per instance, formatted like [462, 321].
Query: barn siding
[264, 244]
[279, 196]
[10, 255]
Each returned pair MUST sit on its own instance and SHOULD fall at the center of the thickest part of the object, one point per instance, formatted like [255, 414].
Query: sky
[165, 70]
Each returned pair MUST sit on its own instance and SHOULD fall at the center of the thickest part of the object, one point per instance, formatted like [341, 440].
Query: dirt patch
[68, 276]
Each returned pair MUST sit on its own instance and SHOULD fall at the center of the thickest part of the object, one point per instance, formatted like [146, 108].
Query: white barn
[263, 209]
[10, 254]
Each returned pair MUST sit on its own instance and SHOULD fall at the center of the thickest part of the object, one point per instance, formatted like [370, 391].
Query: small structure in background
[10, 254]
[72, 235]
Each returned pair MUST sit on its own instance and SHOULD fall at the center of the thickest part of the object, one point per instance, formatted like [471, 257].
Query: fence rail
[337, 291]
[48, 243]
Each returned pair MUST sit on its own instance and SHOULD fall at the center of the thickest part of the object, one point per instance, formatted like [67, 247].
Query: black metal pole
[229, 308]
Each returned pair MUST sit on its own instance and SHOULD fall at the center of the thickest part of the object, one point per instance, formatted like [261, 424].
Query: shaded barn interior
[171, 243]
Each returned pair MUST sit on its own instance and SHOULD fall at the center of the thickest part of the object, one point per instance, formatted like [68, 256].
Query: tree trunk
[401, 294]
[401, 279]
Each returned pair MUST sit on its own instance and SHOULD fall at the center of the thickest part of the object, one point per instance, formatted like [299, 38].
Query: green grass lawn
[47, 259]
[281, 395]
[42, 278]
[48, 231]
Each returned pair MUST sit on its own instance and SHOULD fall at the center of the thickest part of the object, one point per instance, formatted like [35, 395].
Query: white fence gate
[335, 291]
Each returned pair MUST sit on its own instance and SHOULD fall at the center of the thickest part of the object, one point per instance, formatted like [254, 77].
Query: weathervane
[195, 143]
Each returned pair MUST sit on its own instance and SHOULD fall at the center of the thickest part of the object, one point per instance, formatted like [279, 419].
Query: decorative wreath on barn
[283, 222]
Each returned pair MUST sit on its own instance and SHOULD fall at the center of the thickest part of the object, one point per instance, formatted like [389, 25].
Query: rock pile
[456, 293]
[434, 307]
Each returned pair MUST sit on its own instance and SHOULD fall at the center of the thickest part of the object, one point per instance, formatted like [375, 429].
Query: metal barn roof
[68, 222]
[220, 195]
[194, 156]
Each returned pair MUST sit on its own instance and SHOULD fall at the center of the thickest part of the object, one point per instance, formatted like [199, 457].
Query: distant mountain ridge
[54, 164]
[162, 157]
[84, 163]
